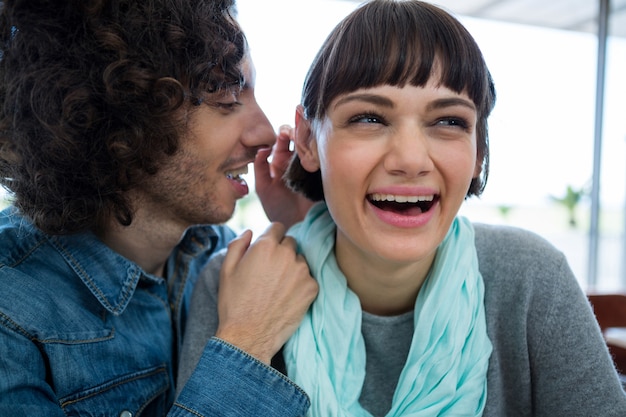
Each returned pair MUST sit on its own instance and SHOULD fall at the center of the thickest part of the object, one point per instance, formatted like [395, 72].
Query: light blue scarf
[445, 372]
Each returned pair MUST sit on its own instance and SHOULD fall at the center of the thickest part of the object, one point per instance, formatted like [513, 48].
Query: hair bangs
[413, 48]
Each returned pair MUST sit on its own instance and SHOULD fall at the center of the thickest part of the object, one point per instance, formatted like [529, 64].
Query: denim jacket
[86, 332]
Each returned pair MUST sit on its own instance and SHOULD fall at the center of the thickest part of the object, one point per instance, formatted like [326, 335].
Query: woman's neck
[384, 287]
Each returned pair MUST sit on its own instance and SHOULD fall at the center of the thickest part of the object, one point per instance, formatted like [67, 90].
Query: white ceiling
[576, 15]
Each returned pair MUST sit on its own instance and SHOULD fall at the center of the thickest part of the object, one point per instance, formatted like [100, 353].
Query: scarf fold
[446, 368]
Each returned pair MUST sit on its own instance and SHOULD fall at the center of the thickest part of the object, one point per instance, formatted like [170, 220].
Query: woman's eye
[453, 122]
[367, 118]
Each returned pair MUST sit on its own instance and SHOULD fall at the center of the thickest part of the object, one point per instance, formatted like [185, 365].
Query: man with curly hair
[125, 127]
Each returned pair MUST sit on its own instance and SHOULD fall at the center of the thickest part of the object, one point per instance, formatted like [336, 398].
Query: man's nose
[258, 130]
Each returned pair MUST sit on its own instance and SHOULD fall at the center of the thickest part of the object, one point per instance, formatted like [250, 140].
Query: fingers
[236, 250]
[280, 203]
[275, 231]
[238, 246]
[284, 139]
[262, 174]
[282, 152]
[280, 155]
[265, 289]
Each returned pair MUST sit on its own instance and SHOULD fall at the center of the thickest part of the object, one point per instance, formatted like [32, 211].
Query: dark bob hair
[395, 42]
[94, 97]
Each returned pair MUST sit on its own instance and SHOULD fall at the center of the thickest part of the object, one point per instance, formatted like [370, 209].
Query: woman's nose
[408, 153]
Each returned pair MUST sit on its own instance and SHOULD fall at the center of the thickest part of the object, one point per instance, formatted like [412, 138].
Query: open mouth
[236, 175]
[403, 204]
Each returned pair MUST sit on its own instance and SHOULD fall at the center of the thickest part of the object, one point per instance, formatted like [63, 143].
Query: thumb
[236, 250]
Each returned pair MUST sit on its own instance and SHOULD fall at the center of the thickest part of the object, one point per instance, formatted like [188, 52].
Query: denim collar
[110, 277]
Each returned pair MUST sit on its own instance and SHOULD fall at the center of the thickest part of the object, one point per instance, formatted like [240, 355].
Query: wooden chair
[610, 311]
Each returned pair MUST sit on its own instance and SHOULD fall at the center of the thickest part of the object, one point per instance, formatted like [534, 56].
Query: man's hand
[265, 289]
[279, 202]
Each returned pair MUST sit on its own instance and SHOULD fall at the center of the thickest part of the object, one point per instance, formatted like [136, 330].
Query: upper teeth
[238, 172]
[401, 198]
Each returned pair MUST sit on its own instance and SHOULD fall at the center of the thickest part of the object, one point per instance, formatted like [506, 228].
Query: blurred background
[557, 134]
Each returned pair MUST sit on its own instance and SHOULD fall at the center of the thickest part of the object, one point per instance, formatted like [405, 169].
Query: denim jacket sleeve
[84, 331]
[23, 390]
[256, 390]
[227, 383]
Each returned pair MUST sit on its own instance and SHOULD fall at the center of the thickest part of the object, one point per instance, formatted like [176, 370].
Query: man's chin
[216, 216]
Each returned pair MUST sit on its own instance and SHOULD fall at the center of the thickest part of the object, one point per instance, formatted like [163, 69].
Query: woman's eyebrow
[386, 102]
[449, 102]
[368, 98]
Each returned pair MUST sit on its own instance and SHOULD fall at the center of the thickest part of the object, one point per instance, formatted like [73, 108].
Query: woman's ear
[305, 143]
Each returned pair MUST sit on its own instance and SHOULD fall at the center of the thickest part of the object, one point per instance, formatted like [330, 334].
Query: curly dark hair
[92, 94]
[395, 42]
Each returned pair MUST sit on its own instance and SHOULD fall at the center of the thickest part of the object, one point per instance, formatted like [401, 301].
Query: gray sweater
[549, 358]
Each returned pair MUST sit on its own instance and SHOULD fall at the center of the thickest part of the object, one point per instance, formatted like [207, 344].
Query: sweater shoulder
[509, 240]
[512, 251]
[518, 266]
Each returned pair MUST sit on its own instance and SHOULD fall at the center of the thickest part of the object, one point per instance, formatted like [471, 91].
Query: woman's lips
[405, 211]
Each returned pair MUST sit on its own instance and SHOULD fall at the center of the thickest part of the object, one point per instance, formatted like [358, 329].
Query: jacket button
[126, 413]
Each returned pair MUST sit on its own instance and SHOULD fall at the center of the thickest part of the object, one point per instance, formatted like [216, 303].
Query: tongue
[410, 211]
[240, 185]
[405, 209]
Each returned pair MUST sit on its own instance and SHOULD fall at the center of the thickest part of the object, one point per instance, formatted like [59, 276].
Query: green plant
[570, 201]
[504, 211]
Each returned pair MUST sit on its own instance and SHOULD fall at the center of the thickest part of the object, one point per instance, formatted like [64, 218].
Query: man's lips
[236, 173]
[234, 176]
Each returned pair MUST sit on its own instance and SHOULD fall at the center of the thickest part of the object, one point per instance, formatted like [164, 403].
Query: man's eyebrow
[450, 102]
[368, 98]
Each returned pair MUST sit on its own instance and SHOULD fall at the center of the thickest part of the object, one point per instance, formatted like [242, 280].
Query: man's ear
[305, 143]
